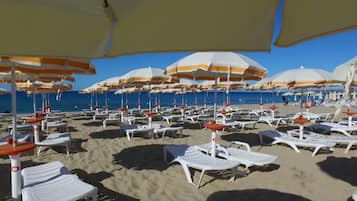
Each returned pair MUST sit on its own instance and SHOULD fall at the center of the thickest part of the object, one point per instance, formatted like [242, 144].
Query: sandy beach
[135, 170]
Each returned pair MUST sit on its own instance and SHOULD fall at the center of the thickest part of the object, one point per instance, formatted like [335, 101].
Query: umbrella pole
[91, 102]
[48, 100]
[215, 98]
[126, 101]
[15, 159]
[33, 99]
[13, 103]
[106, 102]
[139, 101]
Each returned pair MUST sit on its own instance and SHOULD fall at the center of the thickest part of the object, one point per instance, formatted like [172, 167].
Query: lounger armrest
[246, 145]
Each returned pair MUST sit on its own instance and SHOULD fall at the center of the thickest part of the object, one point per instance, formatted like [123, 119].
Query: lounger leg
[199, 181]
[316, 150]
[349, 146]
[127, 135]
[67, 148]
[163, 134]
[187, 172]
[39, 150]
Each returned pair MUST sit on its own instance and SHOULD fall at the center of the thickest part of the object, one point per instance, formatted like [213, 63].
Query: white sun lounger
[171, 118]
[294, 143]
[53, 181]
[276, 121]
[66, 187]
[57, 124]
[341, 128]
[55, 139]
[19, 138]
[132, 120]
[42, 173]
[247, 157]
[235, 123]
[163, 130]
[190, 157]
[130, 130]
[345, 140]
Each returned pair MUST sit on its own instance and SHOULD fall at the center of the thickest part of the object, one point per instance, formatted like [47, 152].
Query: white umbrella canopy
[212, 65]
[341, 72]
[119, 27]
[300, 78]
[128, 90]
[95, 88]
[148, 75]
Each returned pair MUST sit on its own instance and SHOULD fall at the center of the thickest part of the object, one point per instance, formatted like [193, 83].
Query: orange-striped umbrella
[213, 65]
[38, 65]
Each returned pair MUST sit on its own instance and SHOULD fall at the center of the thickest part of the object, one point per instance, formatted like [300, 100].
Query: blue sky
[325, 53]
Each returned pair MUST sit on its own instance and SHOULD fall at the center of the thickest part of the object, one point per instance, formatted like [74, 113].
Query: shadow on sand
[340, 168]
[93, 123]
[107, 134]
[254, 195]
[146, 157]
[75, 146]
[103, 192]
[251, 138]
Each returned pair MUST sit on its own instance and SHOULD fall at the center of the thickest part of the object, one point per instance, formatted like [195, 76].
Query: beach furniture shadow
[82, 118]
[254, 195]
[75, 146]
[103, 192]
[251, 138]
[145, 157]
[107, 134]
[93, 123]
[340, 168]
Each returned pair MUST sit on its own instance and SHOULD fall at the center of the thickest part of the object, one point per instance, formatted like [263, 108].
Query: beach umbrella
[222, 66]
[147, 76]
[125, 27]
[94, 89]
[152, 77]
[346, 73]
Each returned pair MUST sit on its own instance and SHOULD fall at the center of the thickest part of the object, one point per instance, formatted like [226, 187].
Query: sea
[73, 101]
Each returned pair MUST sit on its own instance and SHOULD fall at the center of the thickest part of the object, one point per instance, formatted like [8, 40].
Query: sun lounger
[345, 140]
[341, 128]
[42, 173]
[130, 130]
[132, 120]
[294, 143]
[53, 181]
[57, 124]
[99, 116]
[190, 157]
[19, 138]
[171, 118]
[21, 127]
[246, 157]
[274, 121]
[236, 123]
[55, 139]
[163, 130]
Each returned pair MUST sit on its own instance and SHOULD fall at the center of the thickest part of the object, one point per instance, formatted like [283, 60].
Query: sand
[135, 170]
